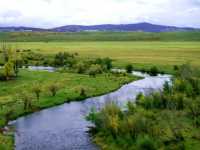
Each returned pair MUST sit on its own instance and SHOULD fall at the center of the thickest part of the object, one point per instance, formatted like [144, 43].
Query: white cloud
[51, 13]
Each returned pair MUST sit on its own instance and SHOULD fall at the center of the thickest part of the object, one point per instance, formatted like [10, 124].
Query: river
[64, 127]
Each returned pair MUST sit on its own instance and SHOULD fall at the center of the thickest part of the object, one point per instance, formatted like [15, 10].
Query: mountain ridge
[143, 27]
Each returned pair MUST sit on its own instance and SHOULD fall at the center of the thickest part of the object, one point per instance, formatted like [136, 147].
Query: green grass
[98, 36]
[140, 54]
[70, 84]
[6, 142]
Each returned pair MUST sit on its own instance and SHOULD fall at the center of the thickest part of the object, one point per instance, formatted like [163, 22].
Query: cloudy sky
[53, 13]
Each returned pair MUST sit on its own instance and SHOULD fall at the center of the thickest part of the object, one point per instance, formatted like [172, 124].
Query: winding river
[64, 127]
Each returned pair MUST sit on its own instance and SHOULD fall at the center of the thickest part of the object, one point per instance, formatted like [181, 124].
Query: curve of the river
[64, 127]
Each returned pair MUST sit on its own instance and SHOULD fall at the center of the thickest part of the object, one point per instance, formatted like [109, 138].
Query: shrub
[153, 71]
[139, 98]
[80, 67]
[108, 63]
[37, 90]
[82, 92]
[176, 68]
[95, 69]
[105, 63]
[167, 89]
[145, 143]
[129, 68]
[53, 89]
[64, 58]
[9, 70]
[26, 99]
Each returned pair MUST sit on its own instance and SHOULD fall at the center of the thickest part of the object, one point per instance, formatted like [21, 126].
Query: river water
[64, 127]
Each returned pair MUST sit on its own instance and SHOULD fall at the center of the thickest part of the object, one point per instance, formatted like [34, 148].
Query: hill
[145, 27]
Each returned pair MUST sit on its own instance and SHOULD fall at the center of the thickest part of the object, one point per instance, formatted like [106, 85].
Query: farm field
[141, 54]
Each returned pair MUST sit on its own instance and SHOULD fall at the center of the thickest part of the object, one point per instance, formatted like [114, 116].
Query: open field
[141, 54]
[97, 36]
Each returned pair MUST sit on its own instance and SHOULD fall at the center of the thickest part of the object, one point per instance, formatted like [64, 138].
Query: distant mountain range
[145, 27]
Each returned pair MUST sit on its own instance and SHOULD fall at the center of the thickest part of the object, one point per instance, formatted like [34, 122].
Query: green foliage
[162, 120]
[98, 36]
[95, 69]
[8, 70]
[53, 88]
[80, 67]
[106, 63]
[37, 90]
[129, 68]
[145, 143]
[64, 59]
[153, 71]
[11, 62]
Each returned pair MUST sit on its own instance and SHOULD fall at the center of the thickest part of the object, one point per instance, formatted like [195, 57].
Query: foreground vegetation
[169, 120]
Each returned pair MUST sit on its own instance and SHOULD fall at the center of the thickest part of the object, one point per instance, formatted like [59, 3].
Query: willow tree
[8, 70]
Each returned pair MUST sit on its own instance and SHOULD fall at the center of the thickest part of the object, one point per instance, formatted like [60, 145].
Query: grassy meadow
[98, 36]
[141, 54]
[142, 50]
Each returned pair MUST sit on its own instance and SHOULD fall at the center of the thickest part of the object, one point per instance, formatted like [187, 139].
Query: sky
[54, 13]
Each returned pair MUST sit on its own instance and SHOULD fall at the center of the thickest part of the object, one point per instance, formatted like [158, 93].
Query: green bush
[145, 143]
[95, 69]
[153, 71]
[129, 68]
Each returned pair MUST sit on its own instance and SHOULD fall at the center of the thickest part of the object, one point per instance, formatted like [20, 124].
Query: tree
[80, 67]
[153, 71]
[129, 68]
[8, 70]
[105, 63]
[4, 48]
[53, 88]
[108, 63]
[185, 71]
[62, 59]
[11, 61]
[37, 90]
[95, 69]
[26, 99]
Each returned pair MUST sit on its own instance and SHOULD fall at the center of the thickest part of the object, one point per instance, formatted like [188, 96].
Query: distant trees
[64, 58]
[105, 63]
